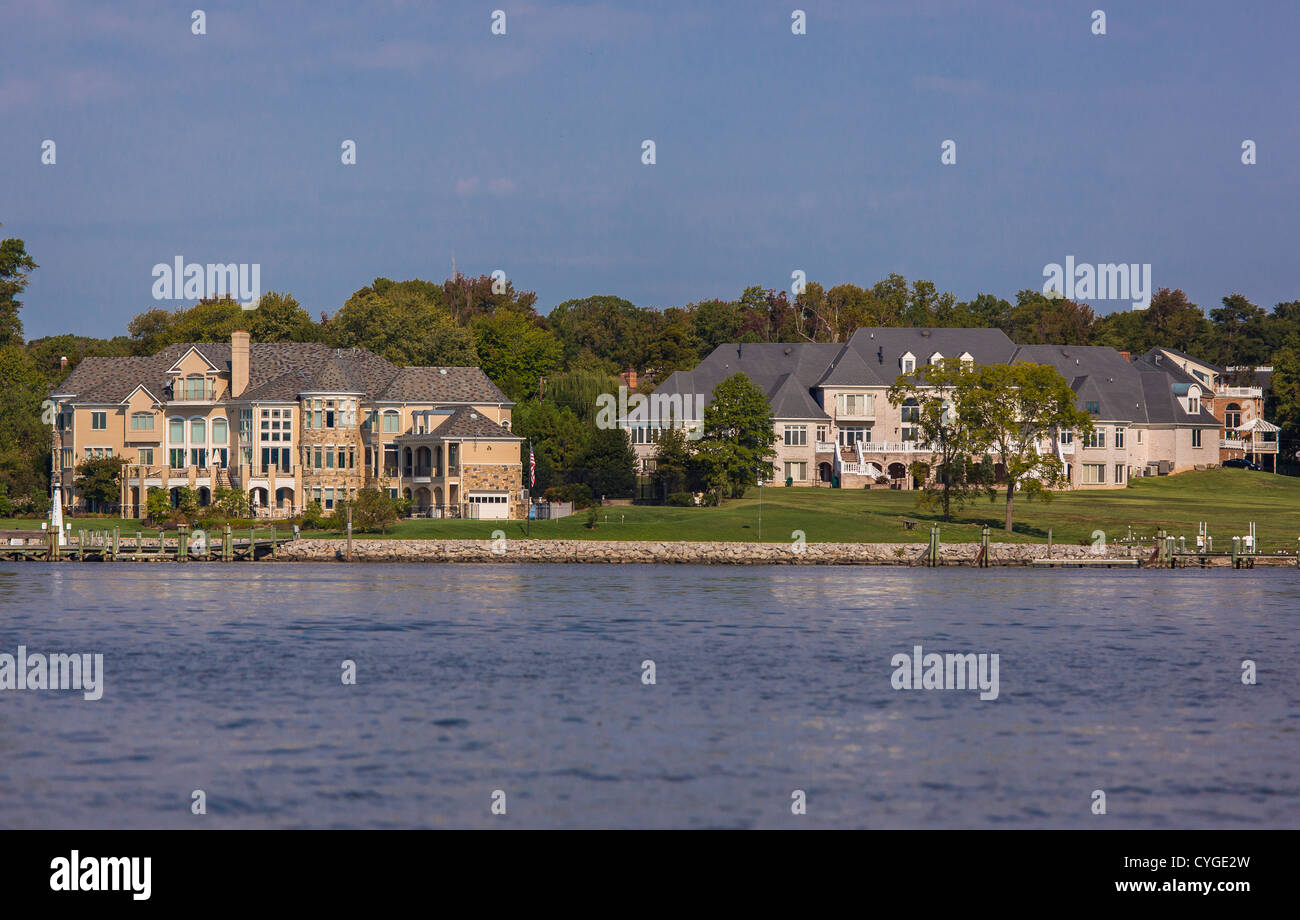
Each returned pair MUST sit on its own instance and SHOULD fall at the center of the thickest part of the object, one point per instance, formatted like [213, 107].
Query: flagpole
[528, 512]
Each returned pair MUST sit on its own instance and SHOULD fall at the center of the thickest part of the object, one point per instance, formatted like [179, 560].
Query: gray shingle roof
[467, 423]
[282, 370]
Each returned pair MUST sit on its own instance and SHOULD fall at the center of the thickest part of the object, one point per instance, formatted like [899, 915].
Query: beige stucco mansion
[290, 423]
[1162, 412]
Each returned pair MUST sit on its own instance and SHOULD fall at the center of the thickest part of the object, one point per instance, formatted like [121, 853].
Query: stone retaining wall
[674, 552]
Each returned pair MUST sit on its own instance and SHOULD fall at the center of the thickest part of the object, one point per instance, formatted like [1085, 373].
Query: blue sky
[522, 152]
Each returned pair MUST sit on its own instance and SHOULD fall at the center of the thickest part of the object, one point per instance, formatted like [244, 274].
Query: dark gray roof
[282, 370]
[792, 400]
[883, 348]
[465, 422]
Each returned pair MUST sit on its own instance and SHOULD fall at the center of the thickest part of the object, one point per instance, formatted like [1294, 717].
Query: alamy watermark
[932, 671]
[1105, 281]
[57, 671]
[195, 281]
[658, 411]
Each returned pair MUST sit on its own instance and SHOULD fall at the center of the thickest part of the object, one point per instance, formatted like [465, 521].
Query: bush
[682, 499]
[577, 492]
[591, 519]
[313, 517]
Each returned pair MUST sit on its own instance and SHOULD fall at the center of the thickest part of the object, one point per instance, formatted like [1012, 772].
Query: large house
[834, 423]
[288, 424]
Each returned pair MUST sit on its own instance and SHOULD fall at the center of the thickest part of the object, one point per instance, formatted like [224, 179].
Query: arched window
[392, 421]
[1194, 400]
[219, 431]
[194, 386]
[198, 431]
[1232, 416]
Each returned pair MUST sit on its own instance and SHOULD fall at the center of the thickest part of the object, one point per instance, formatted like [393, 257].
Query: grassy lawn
[1227, 499]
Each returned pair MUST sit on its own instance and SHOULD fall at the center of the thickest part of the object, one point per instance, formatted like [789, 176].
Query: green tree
[157, 504]
[99, 481]
[372, 510]
[280, 318]
[672, 463]
[24, 437]
[950, 480]
[15, 264]
[558, 436]
[404, 322]
[231, 502]
[1286, 391]
[1015, 408]
[577, 389]
[516, 351]
[608, 465]
[737, 437]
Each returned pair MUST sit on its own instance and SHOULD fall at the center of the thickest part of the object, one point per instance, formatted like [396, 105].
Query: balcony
[893, 447]
[1067, 447]
[1240, 392]
[825, 447]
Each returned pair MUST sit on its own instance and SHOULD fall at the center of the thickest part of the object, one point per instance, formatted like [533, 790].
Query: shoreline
[684, 552]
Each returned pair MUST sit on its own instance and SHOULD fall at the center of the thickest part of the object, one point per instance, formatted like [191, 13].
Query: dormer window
[936, 358]
[908, 363]
[1194, 401]
[194, 387]
[967, 358]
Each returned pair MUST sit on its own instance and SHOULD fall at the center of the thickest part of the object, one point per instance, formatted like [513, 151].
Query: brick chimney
[1125, 355]
[238, 363]
[63, 363]
[629, 377]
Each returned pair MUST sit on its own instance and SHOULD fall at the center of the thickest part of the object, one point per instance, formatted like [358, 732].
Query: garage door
[489, 506]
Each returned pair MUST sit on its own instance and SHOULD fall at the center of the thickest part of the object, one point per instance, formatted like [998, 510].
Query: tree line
[554, 364]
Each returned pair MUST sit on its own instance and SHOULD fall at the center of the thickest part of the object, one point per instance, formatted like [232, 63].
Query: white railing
[1232, 444]
[892, 447]
[1241, 392]
[825, 447]
[1067, 448]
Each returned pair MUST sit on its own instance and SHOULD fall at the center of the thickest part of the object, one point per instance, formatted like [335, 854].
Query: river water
[528, 681]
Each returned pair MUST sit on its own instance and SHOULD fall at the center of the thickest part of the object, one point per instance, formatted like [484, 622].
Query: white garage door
[489, 506]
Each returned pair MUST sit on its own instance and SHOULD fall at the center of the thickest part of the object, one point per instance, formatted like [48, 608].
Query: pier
[113, 546]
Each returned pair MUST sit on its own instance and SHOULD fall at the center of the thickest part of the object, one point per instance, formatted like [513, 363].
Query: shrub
[681, 499]
[577, 492]
[592, 514]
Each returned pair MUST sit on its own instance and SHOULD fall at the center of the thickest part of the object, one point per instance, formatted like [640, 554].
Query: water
[527, 679]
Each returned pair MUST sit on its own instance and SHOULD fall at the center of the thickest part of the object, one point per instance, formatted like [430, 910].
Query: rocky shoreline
[700, 553]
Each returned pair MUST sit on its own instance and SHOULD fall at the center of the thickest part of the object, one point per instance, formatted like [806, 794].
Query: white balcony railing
[1067, 448]
[893, 447]
[825, 447]
[1240, 392]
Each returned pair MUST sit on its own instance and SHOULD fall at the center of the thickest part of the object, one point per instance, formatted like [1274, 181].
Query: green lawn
[1227, 499]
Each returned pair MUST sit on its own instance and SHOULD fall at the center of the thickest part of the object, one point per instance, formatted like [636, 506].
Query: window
[796, 435]
[276, 424]
[911, 411]
[98, 421]
[822, 433]
[1232, 416]
[194, 387]
[142, 421]
[936, 358]
[1119, 473]
[1194, 402]
[245, 424]
[67, 458]
[198, 456]
[176, 458]
[320, 463]
[220, 457]
[1065, 437]
[853, 434]
[908, 363]
[329, 457]
[1094, 473]
[1093, 406]
[1119, 436]
[219, 431]
[1196, 437]
[391, 421]
[796, 470]
[1139, 434]
[329, 498]
[176, 431]
[856, 405]
[1096, 439]
[198, 432]
[276, 456]
[146, 456]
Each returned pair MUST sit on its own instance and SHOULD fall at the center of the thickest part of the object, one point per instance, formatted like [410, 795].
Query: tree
[950, 480]
[15, 264]
[372, 510]
[279, 318]
[608, 465]
[672, 462]
[578, 389]
[737, 437]
[404, 322]
[231, 502]
[516, 351]
[558, 436]
[24, 438]
[1286, 391]
[157, 504]
[1014, 408]
[99, 481]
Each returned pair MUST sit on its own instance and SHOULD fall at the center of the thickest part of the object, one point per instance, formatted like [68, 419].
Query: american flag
[532, 467]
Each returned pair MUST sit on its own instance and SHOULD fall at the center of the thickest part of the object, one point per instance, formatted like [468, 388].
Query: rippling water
[527, 679]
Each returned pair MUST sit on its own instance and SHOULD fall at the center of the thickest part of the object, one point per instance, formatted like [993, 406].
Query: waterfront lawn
[1227, 499]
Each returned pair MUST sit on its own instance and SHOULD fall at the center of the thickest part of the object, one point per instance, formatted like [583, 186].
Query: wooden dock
[113, 546]
[1064, 563]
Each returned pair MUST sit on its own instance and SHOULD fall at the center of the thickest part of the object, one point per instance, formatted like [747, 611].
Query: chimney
[63, 363]
[238, 363]
[1125, 355]
[631, 379]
